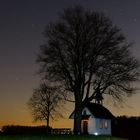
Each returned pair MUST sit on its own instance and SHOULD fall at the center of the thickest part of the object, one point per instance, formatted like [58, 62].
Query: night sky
[21, 25]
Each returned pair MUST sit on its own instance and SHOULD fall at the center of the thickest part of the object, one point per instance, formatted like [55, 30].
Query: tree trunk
[77, 119]
[47, 129]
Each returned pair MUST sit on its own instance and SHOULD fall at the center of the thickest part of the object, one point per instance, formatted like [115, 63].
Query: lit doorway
[85, 127]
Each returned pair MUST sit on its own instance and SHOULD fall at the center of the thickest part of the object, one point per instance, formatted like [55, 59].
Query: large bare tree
[88, 56]
[45, 104]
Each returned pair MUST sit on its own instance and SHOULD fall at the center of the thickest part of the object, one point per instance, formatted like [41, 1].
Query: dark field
[25, 137]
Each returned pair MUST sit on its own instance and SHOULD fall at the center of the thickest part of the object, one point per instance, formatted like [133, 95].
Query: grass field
[21, 137]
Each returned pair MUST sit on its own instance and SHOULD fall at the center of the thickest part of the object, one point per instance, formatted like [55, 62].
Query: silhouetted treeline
[126, 127]
[12, 130]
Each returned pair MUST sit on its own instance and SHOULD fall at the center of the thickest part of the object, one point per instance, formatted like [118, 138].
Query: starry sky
[21, 25]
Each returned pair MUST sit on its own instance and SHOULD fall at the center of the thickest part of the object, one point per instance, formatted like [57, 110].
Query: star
[135, 19]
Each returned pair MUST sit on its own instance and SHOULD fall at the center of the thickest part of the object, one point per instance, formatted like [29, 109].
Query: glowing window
[101, 123]
[106, 124]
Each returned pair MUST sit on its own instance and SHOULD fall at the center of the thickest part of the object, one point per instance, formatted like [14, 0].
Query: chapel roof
[99, 111]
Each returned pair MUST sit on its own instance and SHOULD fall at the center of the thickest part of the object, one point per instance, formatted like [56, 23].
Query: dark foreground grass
[25, 137]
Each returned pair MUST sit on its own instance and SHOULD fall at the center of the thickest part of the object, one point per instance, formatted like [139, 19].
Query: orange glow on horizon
[19, 114]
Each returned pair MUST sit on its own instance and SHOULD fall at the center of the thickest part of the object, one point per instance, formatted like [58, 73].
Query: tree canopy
[88, 56]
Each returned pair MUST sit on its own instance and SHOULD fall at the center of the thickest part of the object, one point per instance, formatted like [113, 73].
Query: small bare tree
[45, 103]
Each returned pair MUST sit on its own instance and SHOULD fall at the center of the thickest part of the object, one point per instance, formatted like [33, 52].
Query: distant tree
[23, 130]
[45, 103]
[89, 57]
